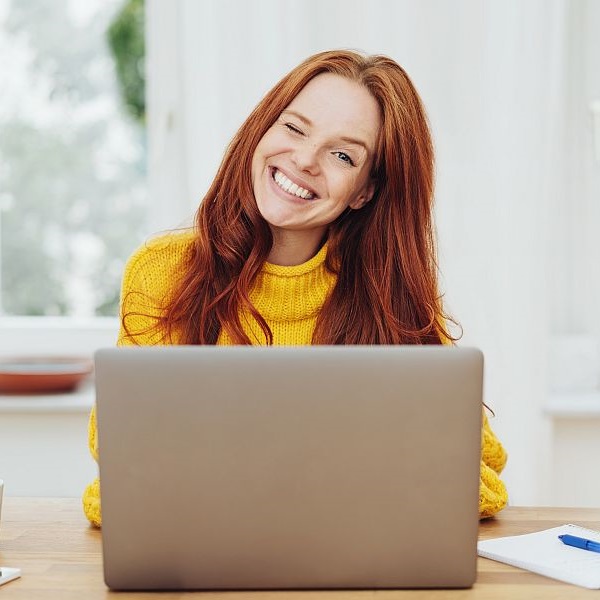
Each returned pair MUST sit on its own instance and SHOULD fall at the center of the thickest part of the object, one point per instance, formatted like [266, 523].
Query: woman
[316, 230]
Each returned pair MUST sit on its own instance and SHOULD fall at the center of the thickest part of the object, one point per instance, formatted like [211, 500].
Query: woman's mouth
[287, 185]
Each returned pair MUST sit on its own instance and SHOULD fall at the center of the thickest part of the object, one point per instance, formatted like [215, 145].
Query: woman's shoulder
[164, 249]
[158, 258]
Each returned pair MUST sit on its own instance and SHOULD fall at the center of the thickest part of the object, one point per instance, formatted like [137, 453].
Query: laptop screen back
[289, 467]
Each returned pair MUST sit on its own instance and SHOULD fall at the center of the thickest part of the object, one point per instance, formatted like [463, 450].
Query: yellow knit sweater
[289, 299]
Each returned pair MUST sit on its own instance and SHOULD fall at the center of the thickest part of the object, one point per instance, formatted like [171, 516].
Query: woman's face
[315, 161]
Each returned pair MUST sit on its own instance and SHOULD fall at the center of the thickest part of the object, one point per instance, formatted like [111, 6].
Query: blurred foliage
[73, 195]
[126, 40]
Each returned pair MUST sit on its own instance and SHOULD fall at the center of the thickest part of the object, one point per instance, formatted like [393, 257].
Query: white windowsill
[76, 402]
[56, 336]
[574, 405]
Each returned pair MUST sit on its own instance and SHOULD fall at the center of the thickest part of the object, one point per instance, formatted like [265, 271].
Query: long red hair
[383, 254]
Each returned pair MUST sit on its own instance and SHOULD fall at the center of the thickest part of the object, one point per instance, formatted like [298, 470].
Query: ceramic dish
[42, 374]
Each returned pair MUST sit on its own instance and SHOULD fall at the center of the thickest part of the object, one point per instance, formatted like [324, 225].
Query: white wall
[573, 262]
[582, 189]
[43, 452]
[515, 197]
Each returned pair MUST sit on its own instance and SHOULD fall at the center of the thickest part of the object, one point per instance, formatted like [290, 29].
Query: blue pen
[577, 542]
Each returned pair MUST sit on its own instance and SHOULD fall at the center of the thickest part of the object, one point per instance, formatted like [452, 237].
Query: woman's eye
[343, 156]
[293, 129]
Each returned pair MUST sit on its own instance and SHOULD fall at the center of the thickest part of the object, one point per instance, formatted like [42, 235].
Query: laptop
[289, 467]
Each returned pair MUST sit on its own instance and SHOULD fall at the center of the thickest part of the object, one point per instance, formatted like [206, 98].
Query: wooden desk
[60, 557]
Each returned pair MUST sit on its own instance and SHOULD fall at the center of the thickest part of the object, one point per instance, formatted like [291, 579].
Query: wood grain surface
[60, 556]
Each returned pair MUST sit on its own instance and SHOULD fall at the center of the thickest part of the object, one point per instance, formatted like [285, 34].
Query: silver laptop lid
[289, 467]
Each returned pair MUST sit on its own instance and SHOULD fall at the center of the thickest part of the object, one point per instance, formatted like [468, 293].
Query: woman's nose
[306, 158]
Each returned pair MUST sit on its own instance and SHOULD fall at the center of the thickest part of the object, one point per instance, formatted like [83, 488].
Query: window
[73, 193]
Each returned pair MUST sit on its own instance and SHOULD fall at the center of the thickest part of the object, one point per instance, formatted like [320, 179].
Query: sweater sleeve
[493, 496]
[148, 277]
[91, 494]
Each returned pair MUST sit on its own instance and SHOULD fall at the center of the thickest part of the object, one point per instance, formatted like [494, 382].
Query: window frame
[166, 178]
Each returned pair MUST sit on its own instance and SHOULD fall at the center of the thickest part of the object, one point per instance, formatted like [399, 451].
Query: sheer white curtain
[493, 76]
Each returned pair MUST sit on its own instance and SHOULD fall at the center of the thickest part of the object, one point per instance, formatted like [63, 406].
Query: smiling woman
[317, 229]
[373, 217]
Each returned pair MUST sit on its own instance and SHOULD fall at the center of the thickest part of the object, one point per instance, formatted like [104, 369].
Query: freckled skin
[309, 144]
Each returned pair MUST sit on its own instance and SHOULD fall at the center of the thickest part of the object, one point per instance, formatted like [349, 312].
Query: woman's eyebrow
[304, 119]
[308, 122]
[350, 140]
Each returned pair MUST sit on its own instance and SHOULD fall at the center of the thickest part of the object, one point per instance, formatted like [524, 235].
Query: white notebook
[8, 574]
[542, 552]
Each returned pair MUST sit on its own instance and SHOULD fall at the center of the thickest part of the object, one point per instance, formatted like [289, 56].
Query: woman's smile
[291, 186]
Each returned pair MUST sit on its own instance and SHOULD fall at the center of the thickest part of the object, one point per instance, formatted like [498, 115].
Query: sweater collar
[310, 265]
[295, 292]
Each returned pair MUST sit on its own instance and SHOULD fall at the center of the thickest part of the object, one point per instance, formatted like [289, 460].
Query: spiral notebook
[543, 553]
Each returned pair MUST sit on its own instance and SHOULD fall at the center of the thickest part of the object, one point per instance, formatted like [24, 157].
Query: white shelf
[574, 405]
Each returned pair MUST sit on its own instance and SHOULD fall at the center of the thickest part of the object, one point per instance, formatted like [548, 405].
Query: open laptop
[289, 467]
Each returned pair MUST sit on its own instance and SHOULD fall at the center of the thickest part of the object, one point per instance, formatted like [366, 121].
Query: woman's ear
[364, 197]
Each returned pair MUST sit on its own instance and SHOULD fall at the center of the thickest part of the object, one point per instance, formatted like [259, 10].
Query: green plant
[126, 40]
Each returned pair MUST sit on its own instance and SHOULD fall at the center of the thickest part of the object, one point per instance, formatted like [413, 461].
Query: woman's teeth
[290, 187]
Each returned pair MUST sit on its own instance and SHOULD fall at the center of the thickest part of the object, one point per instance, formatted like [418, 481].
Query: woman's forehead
[339, 106]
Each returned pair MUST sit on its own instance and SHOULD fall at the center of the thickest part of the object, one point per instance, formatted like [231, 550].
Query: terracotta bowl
[42, 374]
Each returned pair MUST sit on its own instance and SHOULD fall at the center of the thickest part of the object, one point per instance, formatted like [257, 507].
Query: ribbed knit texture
[493, 496]
[288, 298]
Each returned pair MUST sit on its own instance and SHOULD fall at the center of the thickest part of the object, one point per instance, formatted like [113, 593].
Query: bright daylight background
[72, 161]
[509, 87]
